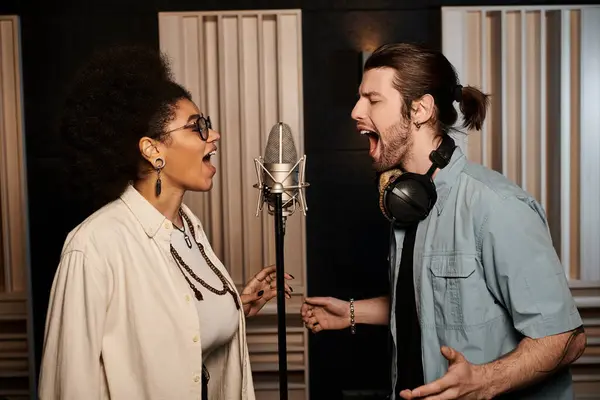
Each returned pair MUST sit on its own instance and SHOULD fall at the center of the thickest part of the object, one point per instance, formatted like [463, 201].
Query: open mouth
[207, 157]
[206, 160]
[373, 140]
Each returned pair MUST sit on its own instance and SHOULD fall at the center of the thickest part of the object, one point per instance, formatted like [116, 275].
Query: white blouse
[122, 322]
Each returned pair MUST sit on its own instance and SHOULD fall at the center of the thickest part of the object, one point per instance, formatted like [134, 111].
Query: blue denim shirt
[485, 274]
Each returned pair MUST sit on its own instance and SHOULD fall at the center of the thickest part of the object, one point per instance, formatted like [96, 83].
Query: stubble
[396, 144]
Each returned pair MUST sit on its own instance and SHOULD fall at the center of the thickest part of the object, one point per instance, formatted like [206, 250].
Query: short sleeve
[523, 270]
[71, 362]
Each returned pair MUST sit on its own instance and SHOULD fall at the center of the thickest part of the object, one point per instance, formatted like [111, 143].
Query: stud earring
[418, 125]
[158, 165]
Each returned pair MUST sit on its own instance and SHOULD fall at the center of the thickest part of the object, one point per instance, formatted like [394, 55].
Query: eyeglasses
[201, 125]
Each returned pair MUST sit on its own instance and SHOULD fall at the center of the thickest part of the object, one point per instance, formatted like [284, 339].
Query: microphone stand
[277, 192]
[275, 196]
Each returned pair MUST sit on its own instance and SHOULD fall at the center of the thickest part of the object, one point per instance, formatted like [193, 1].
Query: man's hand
[325, 313]
[532, 361]
[462, 381]
[322, 313]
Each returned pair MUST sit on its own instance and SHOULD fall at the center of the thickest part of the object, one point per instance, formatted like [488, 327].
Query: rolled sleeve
[523, 270]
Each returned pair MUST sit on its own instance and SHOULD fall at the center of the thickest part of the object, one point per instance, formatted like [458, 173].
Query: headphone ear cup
[409, 199]
[386, 180]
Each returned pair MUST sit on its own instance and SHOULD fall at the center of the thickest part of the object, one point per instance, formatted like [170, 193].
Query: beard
[396, 144]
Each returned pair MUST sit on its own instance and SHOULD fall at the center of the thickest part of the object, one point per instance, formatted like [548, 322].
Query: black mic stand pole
[277, 192]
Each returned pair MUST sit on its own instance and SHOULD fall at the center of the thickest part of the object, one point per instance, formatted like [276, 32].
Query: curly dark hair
[119, 96]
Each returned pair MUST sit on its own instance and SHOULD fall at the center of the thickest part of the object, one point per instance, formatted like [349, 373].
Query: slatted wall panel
[244, 69]
[542, 67]
[15, 356]
[586, 371]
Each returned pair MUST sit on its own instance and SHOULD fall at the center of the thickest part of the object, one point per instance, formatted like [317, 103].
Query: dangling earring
[418, 125]
[159, 165]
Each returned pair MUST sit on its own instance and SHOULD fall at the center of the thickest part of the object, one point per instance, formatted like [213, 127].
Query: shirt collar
[150, 218]
[446, 177]
[147, 215]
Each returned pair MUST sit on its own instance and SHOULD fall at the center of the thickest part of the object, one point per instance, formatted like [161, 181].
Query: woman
[141, 307]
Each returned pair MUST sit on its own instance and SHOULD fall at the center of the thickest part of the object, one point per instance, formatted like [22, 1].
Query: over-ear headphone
[406, 198]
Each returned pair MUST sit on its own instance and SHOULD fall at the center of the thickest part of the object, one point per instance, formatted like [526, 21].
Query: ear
[150, 149]
[423, 109]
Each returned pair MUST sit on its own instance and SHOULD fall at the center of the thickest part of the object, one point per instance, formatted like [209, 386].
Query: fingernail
[261, 292]
[291, 289]
[292, 276]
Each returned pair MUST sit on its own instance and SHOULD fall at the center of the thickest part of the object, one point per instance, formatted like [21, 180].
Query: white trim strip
[565, 139]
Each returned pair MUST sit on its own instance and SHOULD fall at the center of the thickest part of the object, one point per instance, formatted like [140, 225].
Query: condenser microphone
[281, 185]
[280, 171]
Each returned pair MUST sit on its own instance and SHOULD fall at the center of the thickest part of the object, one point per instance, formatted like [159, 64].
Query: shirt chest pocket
[461, 298]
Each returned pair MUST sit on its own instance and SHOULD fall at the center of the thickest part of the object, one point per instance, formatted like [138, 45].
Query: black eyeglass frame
[201, 123]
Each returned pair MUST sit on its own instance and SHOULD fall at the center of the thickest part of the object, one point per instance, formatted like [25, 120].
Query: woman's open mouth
[206, 159]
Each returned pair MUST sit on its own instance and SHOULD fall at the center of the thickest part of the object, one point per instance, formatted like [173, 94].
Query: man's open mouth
[373, 140]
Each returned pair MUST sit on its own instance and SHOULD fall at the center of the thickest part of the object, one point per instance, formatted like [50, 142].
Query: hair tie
[458, 93]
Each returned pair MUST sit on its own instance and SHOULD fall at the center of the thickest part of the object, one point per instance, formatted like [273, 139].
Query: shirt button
[167, 225]
[196, 379]
[196, 338]
[187, 298]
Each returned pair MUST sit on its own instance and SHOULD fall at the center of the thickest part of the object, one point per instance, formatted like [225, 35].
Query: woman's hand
[262, 288]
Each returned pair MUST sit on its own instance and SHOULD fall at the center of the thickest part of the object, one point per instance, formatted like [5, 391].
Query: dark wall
[347, 236]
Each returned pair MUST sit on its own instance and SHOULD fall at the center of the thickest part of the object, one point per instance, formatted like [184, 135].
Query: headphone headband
[441, 156]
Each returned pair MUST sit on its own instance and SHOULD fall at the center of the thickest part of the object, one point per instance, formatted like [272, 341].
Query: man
[479, 303]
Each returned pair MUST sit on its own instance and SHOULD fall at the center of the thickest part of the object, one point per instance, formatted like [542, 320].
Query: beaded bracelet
[352, 320]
